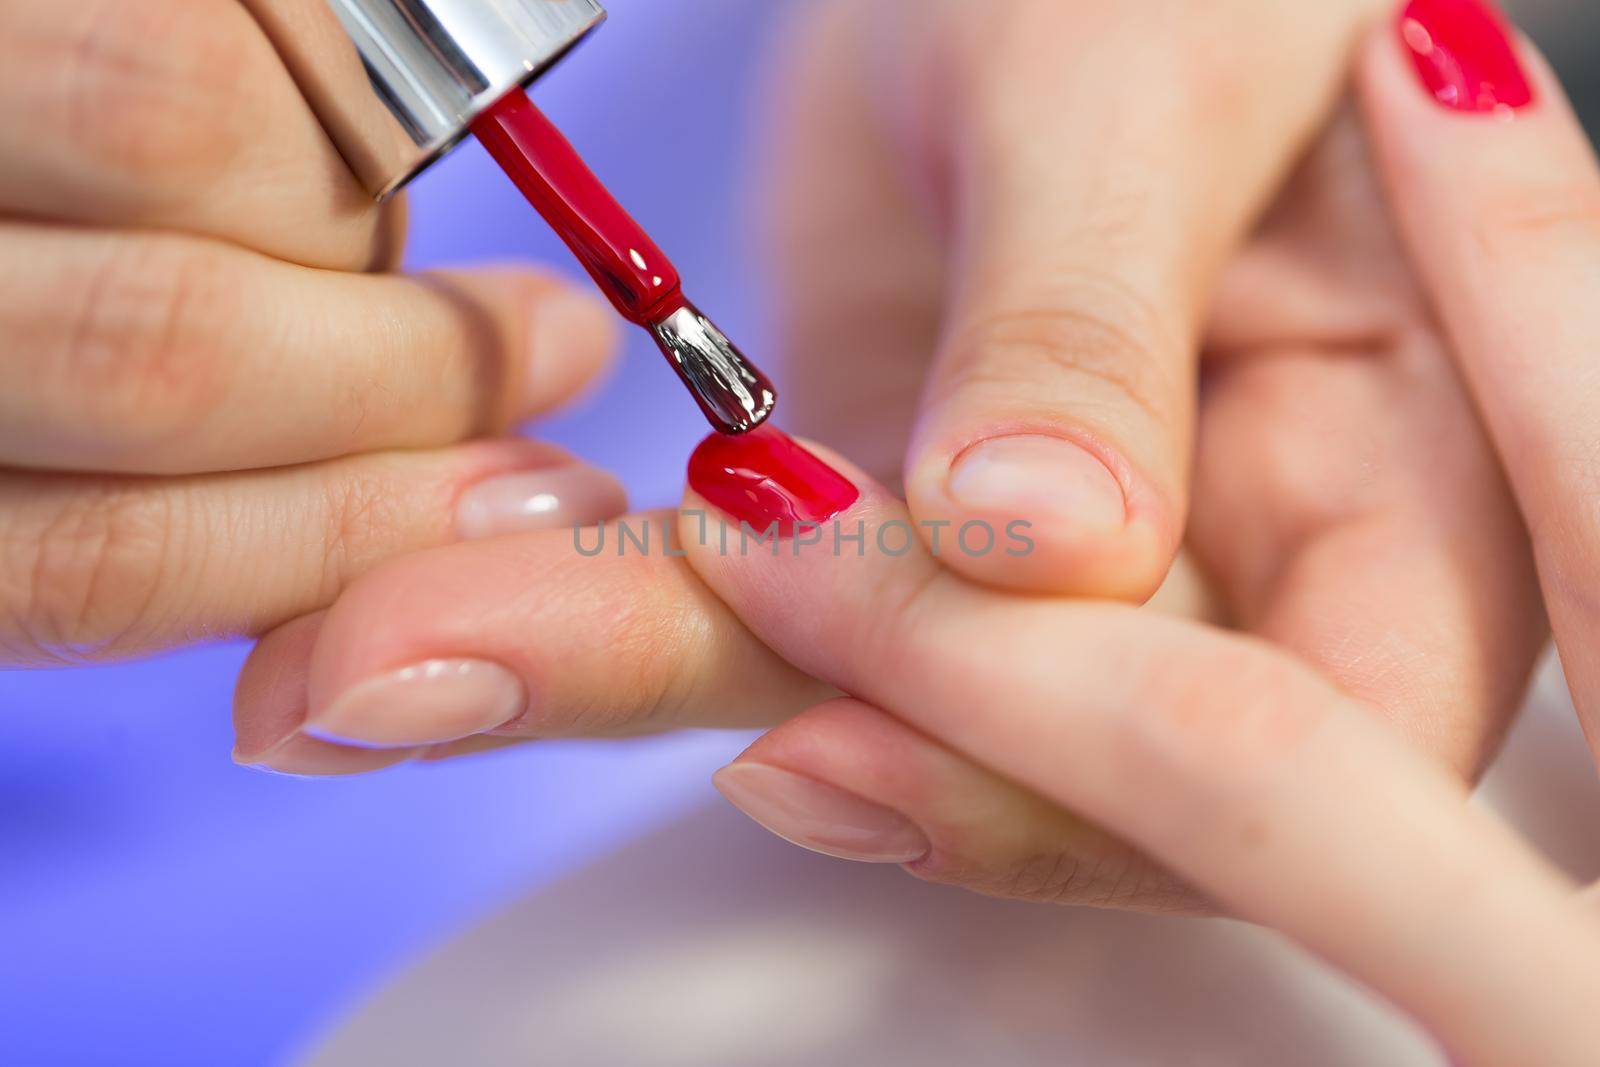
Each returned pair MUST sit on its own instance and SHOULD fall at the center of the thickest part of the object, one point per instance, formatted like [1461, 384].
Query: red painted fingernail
[1464, 55]
[763, 477]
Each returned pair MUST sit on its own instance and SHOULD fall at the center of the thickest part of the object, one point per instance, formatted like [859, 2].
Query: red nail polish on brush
[763, 477]
[1465, 56]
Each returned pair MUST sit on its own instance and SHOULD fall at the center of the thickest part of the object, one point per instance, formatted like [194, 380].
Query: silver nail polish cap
[397, 83]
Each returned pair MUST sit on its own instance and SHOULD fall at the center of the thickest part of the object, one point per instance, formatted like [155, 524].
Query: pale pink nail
[820, 817]
[552, 498]
[302, 756]
[572, 335]
[1048, 481]
[424, 704]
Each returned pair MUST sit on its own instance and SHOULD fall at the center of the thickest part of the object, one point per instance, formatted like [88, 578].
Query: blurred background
[160, 905]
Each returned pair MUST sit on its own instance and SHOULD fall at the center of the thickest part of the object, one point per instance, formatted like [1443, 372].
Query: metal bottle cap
[397, 83]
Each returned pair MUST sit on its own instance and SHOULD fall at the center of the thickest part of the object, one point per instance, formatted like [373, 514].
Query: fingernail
[553, 498]
[424, 704]
[1042, 479]
[570, 335]
[764, 478]
[300, 756]
[1464, 55]
[818, 816]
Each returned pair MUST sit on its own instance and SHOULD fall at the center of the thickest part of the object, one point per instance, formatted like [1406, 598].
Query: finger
[1500, 210]
[98, 568]
[269, 705]
[847, 780]
[569, 633]
[1405, 580]
[175, 114]
[161, 354]
[1064, 391]
[1342, 475]
[1251, 778]
[272, 698]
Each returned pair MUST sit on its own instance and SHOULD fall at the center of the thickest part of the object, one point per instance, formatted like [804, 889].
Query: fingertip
[1407, 71]
[569, 495]
[545, 341]
[431, 702]
[269, 699]
[269, 711]
[573, 340]
[820, 816]
[1042, 512]
[304, 756]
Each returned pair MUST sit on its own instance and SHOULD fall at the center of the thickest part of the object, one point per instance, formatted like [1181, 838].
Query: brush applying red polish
[624, 262]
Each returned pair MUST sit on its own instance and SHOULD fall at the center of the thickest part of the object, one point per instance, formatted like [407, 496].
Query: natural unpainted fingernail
[302, 756]
[423, 704]
[1040, 479]
[571, 335]
[819, 816]
[552, 498]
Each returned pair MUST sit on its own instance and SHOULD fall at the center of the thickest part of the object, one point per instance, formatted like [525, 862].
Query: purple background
[159, 905]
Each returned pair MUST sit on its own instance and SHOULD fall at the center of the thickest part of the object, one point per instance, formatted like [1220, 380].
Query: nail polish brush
[399, 83]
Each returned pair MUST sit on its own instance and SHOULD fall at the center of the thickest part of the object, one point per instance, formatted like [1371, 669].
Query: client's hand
[218, 404]
[1247, 775]
[1227, 765]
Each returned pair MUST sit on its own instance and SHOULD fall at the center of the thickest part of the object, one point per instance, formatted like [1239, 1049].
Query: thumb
[1088, 227]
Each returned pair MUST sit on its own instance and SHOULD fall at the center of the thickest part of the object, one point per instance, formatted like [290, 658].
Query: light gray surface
[715, 945]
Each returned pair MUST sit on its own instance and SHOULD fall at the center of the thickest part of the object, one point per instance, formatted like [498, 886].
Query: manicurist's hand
[219, 404]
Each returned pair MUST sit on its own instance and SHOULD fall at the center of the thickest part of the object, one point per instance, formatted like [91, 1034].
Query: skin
[219, 403]
[1270, 791]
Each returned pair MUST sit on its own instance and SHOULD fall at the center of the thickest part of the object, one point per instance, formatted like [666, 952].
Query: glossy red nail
[763, 478]
[1464, 55]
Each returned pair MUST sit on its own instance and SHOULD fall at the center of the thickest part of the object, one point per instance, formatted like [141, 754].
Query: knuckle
[141, 350]
[85, 579]
[363, 517]
[160, 117]
[1093, 339]
[654, 632]
[655, 690]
